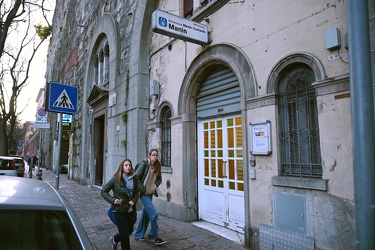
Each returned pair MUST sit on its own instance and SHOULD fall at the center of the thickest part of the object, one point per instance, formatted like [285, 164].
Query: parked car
[34, 215]
[20, 165]
[64, 169]
[7, 166]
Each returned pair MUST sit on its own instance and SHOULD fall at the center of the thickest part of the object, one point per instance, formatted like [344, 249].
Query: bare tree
[16, 57]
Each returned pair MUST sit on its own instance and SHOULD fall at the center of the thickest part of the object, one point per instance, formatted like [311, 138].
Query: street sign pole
[58, 151]
[61, 98]
[39, 155]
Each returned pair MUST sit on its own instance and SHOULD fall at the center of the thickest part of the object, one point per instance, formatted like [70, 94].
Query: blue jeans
[148, 214]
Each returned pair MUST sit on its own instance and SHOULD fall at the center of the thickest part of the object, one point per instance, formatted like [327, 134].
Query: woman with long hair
[125, 196]
[149, 177]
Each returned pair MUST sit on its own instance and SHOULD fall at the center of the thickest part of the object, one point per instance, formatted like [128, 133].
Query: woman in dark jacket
[125, 196]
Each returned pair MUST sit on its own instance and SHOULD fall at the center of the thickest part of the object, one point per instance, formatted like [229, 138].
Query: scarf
[129, 183]
[150, 181]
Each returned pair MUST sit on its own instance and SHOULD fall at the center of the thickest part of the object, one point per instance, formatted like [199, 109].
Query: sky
[27, 99]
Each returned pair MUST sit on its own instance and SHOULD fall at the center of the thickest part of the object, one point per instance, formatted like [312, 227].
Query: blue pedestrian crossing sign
[61, 98]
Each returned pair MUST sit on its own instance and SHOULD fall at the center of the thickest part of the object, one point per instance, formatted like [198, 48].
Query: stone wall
[68, 56]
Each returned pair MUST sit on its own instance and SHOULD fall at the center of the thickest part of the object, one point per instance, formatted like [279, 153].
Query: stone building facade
[105, 75]
[253, 128]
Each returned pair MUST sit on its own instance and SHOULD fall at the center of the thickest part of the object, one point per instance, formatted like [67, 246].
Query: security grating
[272, 238]
[299, 127]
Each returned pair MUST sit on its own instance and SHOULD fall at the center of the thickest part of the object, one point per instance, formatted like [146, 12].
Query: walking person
[149, 177]
[32, 161]
[123, 202]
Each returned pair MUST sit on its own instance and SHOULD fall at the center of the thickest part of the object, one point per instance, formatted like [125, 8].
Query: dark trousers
[125, 224]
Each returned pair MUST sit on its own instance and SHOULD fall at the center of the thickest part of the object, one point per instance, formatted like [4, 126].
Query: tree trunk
[3, 138]
[11, 146]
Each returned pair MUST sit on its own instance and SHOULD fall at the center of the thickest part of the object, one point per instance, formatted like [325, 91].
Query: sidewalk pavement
[91, 208]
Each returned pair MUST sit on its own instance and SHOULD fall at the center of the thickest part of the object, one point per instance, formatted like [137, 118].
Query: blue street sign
[66, 118]
[62, 98]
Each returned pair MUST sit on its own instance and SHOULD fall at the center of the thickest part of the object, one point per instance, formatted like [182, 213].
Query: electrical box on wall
[332, 39]
[154, 87]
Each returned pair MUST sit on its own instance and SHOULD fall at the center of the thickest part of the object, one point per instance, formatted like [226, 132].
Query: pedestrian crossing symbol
[62, 98]
[63, 101]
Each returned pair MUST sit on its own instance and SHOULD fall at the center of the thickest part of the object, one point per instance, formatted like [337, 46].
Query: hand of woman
[118, 202]
[131, 203]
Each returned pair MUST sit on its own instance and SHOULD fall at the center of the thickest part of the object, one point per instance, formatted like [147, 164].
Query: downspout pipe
[362, 110]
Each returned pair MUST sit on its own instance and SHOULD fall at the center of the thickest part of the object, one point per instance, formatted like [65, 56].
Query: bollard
[40, 174]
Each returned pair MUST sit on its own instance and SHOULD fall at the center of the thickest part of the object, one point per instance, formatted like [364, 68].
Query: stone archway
[106, 26]
[219, 54]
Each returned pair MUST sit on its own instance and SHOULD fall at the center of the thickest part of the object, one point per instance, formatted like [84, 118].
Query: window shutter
[188, 8]
[219, 93]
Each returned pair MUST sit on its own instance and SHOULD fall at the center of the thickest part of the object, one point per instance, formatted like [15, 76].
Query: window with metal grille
[166, 137]
[299, 128]
[188, 8]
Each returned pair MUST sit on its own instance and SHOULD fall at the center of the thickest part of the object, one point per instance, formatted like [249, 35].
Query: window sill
[304, 183]
[167, 170]
[207, 10]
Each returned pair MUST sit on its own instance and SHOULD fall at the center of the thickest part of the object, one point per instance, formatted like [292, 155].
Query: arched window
[166, 137]
[299, 127]
[100, 69]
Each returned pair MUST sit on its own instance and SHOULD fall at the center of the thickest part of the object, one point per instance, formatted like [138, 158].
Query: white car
[34, 215]
[20, 165]
[7, 166]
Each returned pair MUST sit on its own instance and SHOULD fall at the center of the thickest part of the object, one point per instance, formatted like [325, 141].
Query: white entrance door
[221, 172]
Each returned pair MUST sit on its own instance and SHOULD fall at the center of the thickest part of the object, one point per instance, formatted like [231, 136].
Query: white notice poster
[260, 138]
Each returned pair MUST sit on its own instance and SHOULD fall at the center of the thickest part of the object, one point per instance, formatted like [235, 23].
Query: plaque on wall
[260, 138]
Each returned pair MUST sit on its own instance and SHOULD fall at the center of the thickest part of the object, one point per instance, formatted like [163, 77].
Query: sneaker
[140, 239]
[114, 244]
[159, 241]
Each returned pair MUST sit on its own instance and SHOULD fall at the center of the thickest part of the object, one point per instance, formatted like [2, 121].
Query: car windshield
[36, 229]
[17, 160]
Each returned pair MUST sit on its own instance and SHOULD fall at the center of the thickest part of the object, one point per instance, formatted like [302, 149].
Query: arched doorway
[211, 57]
[220, 150]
